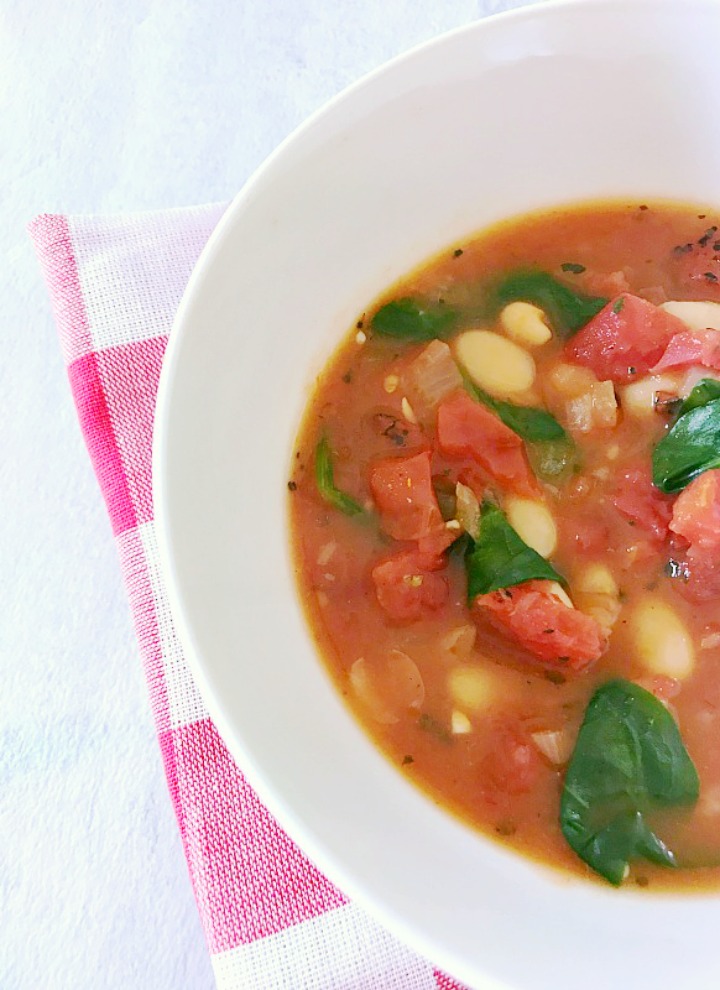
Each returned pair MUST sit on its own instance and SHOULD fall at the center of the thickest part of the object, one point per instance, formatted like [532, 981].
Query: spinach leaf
[409, 320]
[500, 559]
[530, 424]
[566, 309]
[705, 391]
[629, 759]
[324, 478]
[691, 447]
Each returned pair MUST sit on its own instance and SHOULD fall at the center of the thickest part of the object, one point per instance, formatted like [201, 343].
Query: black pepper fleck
[457, 252]
[292, 486]
[707, 236]
[682, 248]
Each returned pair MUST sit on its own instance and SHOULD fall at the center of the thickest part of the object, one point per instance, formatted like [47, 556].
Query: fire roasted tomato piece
[536, 617]
[625, 339]
[637, 499]
[467, 429]
[403, 491]
[700, 347]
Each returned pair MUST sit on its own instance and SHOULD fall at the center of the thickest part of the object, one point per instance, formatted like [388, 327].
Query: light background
[108, 106]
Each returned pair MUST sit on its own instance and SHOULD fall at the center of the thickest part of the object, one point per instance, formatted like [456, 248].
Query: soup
[505, 515]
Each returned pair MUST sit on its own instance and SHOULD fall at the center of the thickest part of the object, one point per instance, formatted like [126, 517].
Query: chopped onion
[433, 375]
[593, 409]
[554, 744]
[459, 641]
[467, 510]
[388, 686]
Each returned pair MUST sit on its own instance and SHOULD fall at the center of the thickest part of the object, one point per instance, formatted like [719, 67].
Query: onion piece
[467, 510]
[432, 376]
[556, 745]
[388, 686]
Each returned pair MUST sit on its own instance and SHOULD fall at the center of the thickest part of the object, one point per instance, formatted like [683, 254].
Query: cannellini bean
[696, 314]
[533, 522]
[388, 686]
[472, 687]
[638, 398]
[596, 579]
[460, 723]
[495, 363]
[525, 323]
[662, 642]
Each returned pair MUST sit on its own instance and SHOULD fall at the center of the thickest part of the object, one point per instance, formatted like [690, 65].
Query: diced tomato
[465, 428]
[625, 339]
[637, 499]
[691, 347]
[696, 513]
[702, 580]
[403, 491]
[560, 637]
[513, 765]
[696, 518]
[407, 585]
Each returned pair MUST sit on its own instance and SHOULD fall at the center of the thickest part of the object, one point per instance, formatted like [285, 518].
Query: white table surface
[118, 105]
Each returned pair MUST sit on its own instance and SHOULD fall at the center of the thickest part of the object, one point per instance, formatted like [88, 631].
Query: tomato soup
[505, 516]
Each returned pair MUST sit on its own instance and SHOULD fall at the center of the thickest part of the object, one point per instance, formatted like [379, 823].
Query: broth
[463, 696]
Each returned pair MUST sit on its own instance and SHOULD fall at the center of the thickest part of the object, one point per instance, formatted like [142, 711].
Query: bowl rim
[213, 249]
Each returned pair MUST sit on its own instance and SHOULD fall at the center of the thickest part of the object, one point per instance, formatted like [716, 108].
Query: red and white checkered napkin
[272, 921]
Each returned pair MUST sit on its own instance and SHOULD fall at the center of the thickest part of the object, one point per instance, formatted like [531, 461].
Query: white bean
[533, 522]
[662, 642]
[596, 579]
[638, 398]
[472, 687]
[525, 323]
[697, 315]
[495, 363]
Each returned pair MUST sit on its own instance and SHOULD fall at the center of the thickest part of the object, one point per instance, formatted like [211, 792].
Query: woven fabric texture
[272, 921]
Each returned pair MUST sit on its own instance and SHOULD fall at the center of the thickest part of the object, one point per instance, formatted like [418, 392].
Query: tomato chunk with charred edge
[467, 429]
[531, 614]
[403, 491]
[625, 339]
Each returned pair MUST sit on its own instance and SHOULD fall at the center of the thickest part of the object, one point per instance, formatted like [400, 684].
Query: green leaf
[529, 423]
[324, 478]
[566, 309]
[412, 321]
[705, 391]
[499, 558]
[629, 760]
[691, 447]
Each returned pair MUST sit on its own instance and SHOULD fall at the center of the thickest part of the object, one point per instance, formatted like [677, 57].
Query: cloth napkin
[271, 920]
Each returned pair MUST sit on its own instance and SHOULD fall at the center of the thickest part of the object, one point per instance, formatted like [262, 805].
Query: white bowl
[546, 105]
